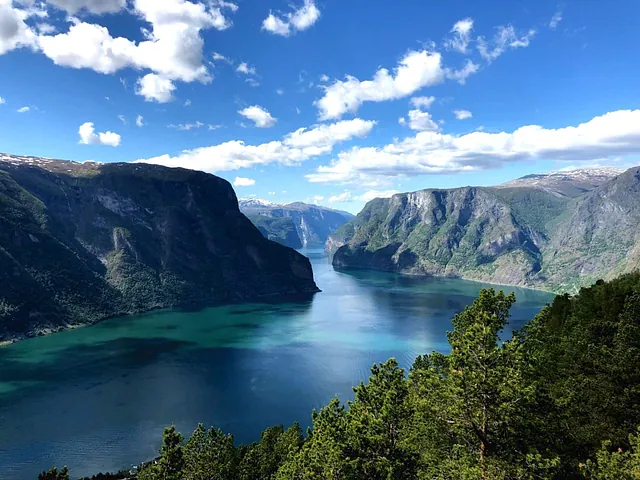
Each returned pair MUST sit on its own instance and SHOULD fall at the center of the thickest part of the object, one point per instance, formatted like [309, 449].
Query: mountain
[297, 224]
[567, 183]
[83, 242]
[525, 234]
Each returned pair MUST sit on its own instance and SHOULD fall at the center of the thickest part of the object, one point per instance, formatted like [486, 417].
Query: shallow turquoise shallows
[97, 398]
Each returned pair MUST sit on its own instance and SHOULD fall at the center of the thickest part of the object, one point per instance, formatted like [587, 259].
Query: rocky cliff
[83, 242]
[523, 234]
[312, 224]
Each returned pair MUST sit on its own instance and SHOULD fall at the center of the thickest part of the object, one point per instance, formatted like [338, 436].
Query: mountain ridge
[311, 223]
[80, 242]
[519, 235]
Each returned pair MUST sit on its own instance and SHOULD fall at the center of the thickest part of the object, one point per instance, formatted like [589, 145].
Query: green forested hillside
[518, 235]
[558, 400]
[82, 242]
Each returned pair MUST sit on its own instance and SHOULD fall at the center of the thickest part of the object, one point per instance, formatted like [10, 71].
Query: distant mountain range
[296, 225]
[556, 231]
[80, 242]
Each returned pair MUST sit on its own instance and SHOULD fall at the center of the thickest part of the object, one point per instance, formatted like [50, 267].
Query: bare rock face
[534, 235]
[83, 242]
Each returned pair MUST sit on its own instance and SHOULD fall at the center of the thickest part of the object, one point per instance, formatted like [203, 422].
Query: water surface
[97, 398]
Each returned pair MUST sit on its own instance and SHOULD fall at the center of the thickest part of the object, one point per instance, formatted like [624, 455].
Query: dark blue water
[97, 398]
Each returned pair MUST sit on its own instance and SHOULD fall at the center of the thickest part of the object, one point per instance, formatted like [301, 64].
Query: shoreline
[266, 298]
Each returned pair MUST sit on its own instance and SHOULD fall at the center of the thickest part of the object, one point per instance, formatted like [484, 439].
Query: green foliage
[615, 464]
[54, 474]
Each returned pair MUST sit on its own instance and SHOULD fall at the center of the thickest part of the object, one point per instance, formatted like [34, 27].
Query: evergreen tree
[472, 403]
[615, 464]
[209, 455]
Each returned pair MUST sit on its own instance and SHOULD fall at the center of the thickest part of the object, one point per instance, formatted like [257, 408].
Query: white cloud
[371, 194]
[462, 114]
[462, 74]
[252, 82]
[419, 120]
[123, 119]
[2, 101]
[300, 19]
[461, 35]
[326, 135]
[422, 102]
[45, 28]
[243, 182]
[342, 197]
[23, 109]
[315, 198]
[258, 115]
[610, 135]
[504, 38]
[186, 126]
[213, 127]
[140, 121]
[218, 57]
[155, 88]
[324, 78]
[280, 91]
[187, 103]
[172, 48]
[276, 26]
[89, 137]
[92, 6]
[246, 69]
[294, 148]
[417, 69]
[555, 20]
[14, 32]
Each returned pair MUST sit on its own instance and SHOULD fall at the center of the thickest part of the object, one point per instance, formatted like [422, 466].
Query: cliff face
[312, 224]
[512, 235]
[82, 242]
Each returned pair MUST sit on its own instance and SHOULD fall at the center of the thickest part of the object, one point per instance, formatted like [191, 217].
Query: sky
[332, 102]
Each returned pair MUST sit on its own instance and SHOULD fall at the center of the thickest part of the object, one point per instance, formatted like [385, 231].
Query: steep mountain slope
[82, 242]
[567, 183]
[519, 235]
[313, 224]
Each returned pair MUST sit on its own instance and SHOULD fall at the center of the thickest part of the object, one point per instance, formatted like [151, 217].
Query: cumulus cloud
[460, 36]
[422, 102]
[462, 114]
[92, 6]
[259, 116]
[327, 135]
[505, 38]
[555, 20]
[417, 69]
[243, 182]
[611, 135]
[155, 88]
[88, 136]
[23, 109]
[172, 48]
[294, 148]
[14, 32]
[300, 19]
[140, 121]
[419, 120]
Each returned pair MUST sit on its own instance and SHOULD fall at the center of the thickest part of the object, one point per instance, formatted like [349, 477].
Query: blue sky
[329, 101]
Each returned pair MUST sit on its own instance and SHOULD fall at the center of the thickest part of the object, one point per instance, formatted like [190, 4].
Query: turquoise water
[97, 398]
